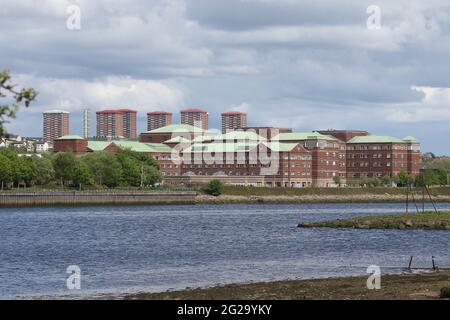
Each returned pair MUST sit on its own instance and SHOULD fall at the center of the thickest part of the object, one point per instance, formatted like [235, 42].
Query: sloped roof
[241, 135]
[98, 145]
[280, 146]
[221, 147]
[177, 139]
[291, 136]
[375, 139]
[70, 137]
[133, 146]
[410, 139]
[159, 147]
[176, 127]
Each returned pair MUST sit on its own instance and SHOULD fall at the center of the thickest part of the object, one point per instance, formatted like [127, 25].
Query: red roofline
[117, 111]
[160, 112]
[232, 113]
[194, 110]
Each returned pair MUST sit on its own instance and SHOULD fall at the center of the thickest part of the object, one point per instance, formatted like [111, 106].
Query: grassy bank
[278, 191]
[405, 286]
[427, 221]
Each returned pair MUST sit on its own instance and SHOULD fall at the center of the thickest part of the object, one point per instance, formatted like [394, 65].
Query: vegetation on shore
[94, 170]
[281, 191]
[404, 286]
[426, 220]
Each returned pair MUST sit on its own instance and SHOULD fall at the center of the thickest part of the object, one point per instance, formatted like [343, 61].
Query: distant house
[41, 146]
[13, 137]
[18, 144]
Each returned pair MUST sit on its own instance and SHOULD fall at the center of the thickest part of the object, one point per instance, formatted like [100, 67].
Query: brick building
[116, 123]
[158, 119]
[75, 144]
[55, 124]
[188, 154]
[233, 120]
[195, 117]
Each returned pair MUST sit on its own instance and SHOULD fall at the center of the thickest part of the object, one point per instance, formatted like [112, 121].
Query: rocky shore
[420, 286]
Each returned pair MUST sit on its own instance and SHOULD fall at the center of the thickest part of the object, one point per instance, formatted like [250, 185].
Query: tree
[105, 168]
[403, 179]
[386, 181]
[44, 169]
[214, 188]
[63, 164]
[337, 180]
[24, 95]
[131, 168]
[150, 175]
[82, 174]
[6, 171]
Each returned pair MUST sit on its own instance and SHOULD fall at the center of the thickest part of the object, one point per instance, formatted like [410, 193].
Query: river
[155, 248]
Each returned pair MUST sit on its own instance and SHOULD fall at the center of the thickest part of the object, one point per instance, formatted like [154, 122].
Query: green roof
[410, 139]
[158, 147]
[221, 147]
[70, 137]
[133, 146]
[292, 136]
[280, 146]
[203, 137]
[177, 139]
[98, 145]
[241, 135]
[375, 139]
[177, 127]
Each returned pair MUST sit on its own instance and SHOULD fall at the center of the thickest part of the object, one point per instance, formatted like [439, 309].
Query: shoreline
[127, 198]
[416, 286]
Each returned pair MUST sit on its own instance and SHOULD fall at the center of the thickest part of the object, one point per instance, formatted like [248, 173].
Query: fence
[73, 198]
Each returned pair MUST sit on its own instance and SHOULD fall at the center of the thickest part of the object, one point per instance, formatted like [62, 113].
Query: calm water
[155, 248]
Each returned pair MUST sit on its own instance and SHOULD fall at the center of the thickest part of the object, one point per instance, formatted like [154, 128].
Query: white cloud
[109, 92]
[434, 107]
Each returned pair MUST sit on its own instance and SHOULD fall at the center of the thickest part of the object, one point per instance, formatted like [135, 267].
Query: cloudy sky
[308, 65]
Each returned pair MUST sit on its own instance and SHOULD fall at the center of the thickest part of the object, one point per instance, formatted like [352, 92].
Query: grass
[280, 191]
[427, 220]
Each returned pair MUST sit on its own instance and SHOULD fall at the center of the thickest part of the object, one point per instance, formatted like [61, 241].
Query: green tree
[337, 180]
[105, 168]
[6, 170]
[24, 95]
[82, 174]
[386, 181]
[63, 164]
[151, 175]
[403, 179]
[214, 188]
[44, 169]
[131, 168]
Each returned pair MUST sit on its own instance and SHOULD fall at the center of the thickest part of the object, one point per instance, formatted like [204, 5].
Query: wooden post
[407, 198]
[434, 265]
[423, 199]
[432, 202]
[410, 262]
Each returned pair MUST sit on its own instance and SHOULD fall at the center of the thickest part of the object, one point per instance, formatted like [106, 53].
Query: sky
[308, 65]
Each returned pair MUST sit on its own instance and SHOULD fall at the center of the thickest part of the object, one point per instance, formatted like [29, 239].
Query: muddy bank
[355, 198]
[422, 221]
[404, 286]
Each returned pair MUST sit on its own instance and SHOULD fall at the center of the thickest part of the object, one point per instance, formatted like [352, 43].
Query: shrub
[445, 292]
[214, 188]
